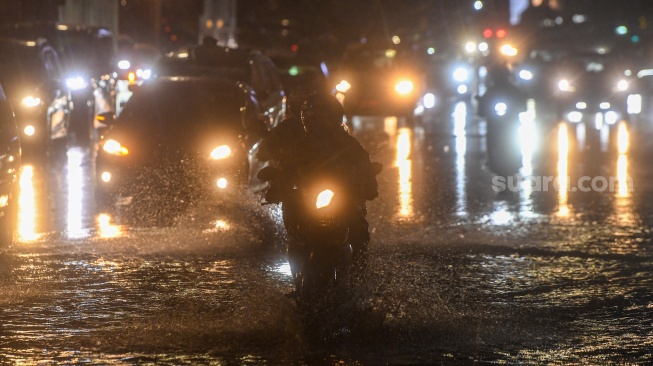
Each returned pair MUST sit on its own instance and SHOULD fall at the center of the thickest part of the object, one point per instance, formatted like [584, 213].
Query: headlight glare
[76, 83]
[404, 87]
[460, 75]
[565, 86]
[114, 147]
[30, 101]
[324, 198]
[343, 86]
[221, 152]
[622, 85]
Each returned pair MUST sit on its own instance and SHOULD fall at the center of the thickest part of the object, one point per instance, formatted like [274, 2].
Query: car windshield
[178, 107]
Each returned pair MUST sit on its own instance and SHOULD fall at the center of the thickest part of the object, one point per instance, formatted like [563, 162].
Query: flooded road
[458, 273]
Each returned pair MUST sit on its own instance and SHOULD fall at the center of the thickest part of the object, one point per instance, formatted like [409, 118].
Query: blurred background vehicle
[178, 139]
[379, 81]
[10, 161]
[250, 67]
[88, 62]
[32, 79]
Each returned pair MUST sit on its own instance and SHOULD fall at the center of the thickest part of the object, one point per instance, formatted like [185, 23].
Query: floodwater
[457, 272]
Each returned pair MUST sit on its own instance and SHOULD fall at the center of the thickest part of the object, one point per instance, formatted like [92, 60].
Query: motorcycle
[501, 109]
[315, 215]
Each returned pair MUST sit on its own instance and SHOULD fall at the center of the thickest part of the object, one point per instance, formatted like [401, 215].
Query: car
[178, 139]
[10, 161]
[248, 66]
[378, 81]
[88, 62]
[31, 75]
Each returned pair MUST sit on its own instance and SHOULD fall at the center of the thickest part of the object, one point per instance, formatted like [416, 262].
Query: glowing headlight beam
[114, 147]
[324, 198]
[404, 87]
[76, 83]
[30, 101]
[221, 152]
[509, 50]
[343, 86]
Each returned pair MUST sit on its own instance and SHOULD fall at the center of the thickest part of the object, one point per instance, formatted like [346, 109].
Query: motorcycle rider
[310, 140]
[502, 99]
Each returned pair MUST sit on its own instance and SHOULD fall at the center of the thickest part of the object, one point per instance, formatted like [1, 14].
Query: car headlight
[76, 83]
[622, 85]
[525, 75]
[460, 74]
[565, 86]
[30, 101]
[29, 130]
[124, 64]
[509, 50]
[501, 108]
[221, 152]
[114, 147]
[404, 87]
[324, 198]
[343, 86]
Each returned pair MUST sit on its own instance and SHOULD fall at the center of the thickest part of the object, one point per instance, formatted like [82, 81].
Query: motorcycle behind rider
[312, 138]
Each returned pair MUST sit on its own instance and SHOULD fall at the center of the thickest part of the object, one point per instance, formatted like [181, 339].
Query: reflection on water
[563, 170]
[27, 205]
[528, 137]
[404, 164]
[75, 179]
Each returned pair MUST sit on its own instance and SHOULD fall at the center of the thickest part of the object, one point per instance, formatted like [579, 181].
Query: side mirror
[107, 118]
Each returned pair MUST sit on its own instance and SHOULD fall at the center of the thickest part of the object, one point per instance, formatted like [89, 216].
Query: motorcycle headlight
[221, 152]
[565, 86]
[114, 147]
[404, 87]
[501, 108]
[460, 75]
[526, 75]
[324, 198]
[30, 101]
[76, 83]
[343, 86]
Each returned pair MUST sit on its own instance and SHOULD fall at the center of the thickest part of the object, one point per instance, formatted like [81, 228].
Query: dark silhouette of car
[249, 67]
[178, 139]
[10, 161]
[31, 76]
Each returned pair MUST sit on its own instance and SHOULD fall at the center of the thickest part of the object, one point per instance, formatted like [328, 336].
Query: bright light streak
[528, 136]
[563, 161]
[460, 119]
[623, 138]
[221, 152]
[27, 205]
[75, 179]
[625, 184]
[30, 101]
[404, 164]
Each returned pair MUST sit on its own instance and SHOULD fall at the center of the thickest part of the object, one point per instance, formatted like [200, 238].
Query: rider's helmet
[321, 112]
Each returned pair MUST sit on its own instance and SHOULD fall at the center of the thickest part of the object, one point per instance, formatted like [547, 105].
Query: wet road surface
[457, 273]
